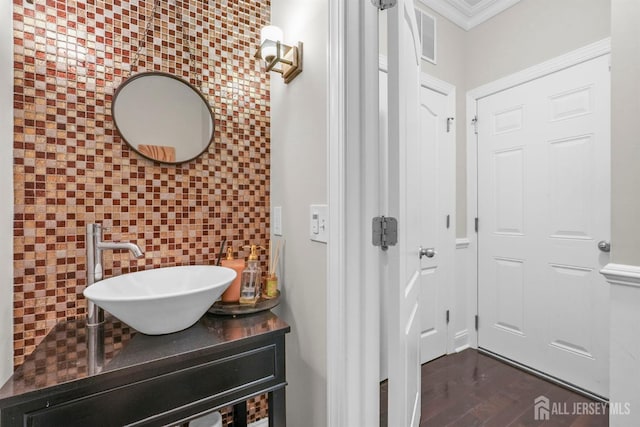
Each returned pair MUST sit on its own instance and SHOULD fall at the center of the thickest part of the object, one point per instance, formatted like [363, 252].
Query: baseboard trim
[622, 274]
[462, 348]
[547, 377]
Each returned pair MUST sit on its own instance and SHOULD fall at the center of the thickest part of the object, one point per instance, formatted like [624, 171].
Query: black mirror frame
[192, 87]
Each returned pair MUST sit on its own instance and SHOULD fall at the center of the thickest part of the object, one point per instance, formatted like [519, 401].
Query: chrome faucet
[95, 271]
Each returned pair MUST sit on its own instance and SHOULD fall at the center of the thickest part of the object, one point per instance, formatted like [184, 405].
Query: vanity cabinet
[148, 380]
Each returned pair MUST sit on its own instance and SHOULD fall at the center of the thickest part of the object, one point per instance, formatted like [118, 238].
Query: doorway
[437, 110]
[543, 150]
[437, 134]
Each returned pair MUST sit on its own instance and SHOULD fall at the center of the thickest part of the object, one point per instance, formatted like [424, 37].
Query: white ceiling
[468, 13]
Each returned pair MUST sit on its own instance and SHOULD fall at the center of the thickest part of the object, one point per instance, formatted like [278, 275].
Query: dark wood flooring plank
[469, 389]
[591, 421]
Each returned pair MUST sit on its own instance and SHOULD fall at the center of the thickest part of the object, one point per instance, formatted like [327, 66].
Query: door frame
[353, 275]
[6, 175]
[575, 57]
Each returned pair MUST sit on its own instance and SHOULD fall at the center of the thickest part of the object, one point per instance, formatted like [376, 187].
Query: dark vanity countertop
[64, 356]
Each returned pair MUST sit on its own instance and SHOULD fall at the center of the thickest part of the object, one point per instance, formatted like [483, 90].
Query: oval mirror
[163, 117]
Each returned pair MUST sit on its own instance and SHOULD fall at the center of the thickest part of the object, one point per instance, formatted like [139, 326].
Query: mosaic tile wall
[71, 167]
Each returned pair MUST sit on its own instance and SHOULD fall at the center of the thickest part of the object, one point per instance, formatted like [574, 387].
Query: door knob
[428, 252]
[604, 246]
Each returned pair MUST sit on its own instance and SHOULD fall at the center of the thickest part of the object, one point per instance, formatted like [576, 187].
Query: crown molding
[466, 16]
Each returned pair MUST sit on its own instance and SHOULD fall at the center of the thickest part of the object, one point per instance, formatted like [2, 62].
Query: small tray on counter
[234, 308]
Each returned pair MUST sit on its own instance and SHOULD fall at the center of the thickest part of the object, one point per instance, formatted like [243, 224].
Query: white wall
[530, 32]
[6, 190]
[624, 374]
[625, 150]
[463, 309]
[625, 207]
[298, 179]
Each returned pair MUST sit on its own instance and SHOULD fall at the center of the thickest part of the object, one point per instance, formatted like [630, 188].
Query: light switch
[276, 221]
[319, 223]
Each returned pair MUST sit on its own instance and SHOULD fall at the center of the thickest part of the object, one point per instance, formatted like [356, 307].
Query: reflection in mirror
[162, 117]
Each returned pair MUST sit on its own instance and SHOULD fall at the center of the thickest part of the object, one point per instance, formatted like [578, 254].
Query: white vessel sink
[162, 300]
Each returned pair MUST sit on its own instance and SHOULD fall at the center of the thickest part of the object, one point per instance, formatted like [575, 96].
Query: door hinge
[474, 123]
[449, 120]
[384, 4]
[476, 224]
[448, 221]
[447, 317]
[476, 322]
[384, 232]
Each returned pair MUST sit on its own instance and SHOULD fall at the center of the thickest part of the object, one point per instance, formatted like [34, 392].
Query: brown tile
[72, 168]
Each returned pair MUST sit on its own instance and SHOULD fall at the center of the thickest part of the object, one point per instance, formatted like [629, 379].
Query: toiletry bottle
[232, 293]
[251, 279]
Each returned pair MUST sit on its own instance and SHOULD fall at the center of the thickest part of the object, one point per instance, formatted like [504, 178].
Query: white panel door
[404, 204]
[543, 206]
[437, 175]
[437, 190]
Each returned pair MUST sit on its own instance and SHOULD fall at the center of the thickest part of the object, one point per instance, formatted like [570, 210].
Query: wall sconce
[279, 57]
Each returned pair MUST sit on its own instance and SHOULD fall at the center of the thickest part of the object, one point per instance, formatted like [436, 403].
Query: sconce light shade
[279, 57]
[269, 37]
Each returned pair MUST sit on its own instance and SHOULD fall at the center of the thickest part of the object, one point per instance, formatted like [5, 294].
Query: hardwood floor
[470, 389]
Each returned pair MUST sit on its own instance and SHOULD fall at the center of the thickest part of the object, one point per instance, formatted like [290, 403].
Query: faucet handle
[95, 225]
[97, 229]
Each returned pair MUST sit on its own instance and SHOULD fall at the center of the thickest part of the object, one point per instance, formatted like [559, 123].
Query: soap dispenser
[232, 293]
[251, 279]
